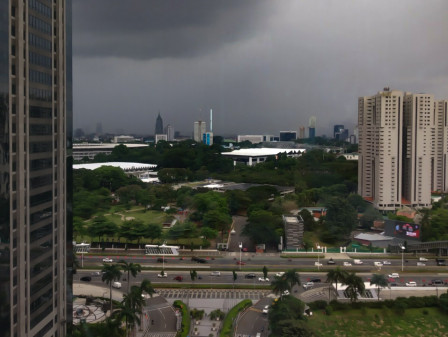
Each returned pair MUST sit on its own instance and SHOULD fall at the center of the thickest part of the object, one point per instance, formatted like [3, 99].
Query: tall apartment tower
[199, 129]
[35, 166]
[418, 148]
[380, 120]
[159, 125]
[440, 174]
[397, 149]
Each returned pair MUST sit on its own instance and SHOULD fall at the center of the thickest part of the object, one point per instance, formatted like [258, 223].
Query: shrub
[231, 316]
[328, 310]
[400, 307]
[185, 318]
[318, 305]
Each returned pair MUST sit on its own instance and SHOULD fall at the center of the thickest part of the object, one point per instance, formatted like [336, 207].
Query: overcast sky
[262, 65]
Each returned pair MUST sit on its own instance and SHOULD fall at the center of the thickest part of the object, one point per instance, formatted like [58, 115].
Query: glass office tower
[35, 210]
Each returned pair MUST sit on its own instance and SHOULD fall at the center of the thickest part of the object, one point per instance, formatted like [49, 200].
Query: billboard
[403, 230]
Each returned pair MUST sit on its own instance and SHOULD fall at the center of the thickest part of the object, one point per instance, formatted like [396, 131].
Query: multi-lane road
[250, 261]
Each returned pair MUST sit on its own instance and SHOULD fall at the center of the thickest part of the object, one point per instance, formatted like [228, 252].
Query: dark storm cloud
[263, 66]
[149, 29]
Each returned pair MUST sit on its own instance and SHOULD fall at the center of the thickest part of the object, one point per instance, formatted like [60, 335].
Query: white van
[357, 261]
[378, 264]
[116, 285]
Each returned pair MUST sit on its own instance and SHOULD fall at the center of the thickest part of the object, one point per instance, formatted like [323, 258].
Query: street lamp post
[318, 258]
[402, 257]
[241, 248]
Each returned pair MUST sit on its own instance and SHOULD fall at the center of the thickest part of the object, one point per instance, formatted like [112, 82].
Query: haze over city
[263, 66]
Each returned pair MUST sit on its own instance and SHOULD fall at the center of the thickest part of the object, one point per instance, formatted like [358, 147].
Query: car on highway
[250, 276]
[316, 280]
[318, 264]
[116, 285]
[411, 284]
[198, 259]
[215, 273]
[262, 279]
[178, 278]
[331, 261]
[96, 273]
[377, 264]
[441, 262]
[356, 261]
[162, 275]
[241, 263]
[386, 262]
[266, 309]
[86, 278]
[106, 259]
[421, 264]
[161, 260]
[308, 285]
[280, 274]
[245, 250]
[394, 275]
[423, 259]
[347, 264]
[437, 282]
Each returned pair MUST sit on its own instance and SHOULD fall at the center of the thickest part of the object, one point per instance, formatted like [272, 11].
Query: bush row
[228, 321]
[186, 319]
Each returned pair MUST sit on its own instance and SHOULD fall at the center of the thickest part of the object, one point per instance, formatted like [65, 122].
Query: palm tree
[380, 281]
[335, 276]
[355, 286]
[111, 273]
[147, 287]
[280, 285]
[292, 277]
[126, 312]
[130, 268]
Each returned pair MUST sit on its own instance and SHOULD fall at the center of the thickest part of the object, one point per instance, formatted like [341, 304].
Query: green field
[380, 322]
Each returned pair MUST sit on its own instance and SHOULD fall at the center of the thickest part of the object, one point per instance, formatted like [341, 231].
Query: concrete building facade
[35, 168]
[380, 120]
[254, 139]
[402, 148]
[199, 129]
[440, 176]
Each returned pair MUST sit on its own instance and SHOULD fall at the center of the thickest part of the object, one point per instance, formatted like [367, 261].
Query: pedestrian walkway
[212, 294]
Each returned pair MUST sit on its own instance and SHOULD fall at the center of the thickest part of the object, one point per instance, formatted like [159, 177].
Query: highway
[226, 277]
[251, 261]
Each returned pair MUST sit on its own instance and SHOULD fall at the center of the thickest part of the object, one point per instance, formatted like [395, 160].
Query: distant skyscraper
[199, 129]
[35, 168]
[207, 138]
[312, 127]
[301, 132]
[286, 136]
[169, 132]
[159, 125]
[337, 129]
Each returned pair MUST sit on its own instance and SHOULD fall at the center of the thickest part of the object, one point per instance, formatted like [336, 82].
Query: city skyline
[250, 62]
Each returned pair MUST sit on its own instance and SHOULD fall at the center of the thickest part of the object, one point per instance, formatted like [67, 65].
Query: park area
[419, 322]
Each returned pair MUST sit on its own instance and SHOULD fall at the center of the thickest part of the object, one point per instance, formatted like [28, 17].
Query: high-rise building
[207, 138]
[159, 125]
[35, 167]
[418, 148]
[199, 129]
[169, 132]
[287, 136]
[440, 174]
[312, 127]
[301, 132]
[337, 129]
[396, 149]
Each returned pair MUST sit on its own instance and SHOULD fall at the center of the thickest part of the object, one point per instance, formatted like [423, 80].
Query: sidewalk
[96, 291]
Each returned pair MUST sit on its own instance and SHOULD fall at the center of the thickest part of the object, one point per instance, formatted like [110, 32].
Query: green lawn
[380, 322]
